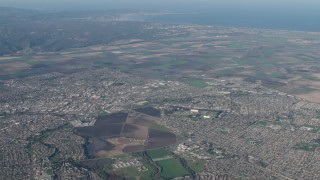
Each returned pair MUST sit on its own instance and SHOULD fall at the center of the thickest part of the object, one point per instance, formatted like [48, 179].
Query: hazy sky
[196, 5]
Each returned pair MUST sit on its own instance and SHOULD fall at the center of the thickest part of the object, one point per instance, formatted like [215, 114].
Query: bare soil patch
[120, 133]
[312, 97]
[13, 66]
[135, 131]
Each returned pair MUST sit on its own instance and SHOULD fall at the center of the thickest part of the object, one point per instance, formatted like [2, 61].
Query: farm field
[118, 133]
[172, 168]
[196, 165]
[274, 59]
[158, 153]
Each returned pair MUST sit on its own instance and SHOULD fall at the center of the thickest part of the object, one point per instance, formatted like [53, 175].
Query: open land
[120, 133]
[197, 54]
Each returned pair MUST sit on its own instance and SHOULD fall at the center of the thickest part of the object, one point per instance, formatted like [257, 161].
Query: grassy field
[146, 175]
[197, 166]
[160, 127]
[314, 129]
[158, 153]
[129, 171]
[171, 168]
[267, 123]
[50, 171]
[122, 156]
[133, 173]
[306, 146]
[262, 123]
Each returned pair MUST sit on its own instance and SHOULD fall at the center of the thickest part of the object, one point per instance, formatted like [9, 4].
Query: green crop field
[129, 171]
[172, 168]
[197, 166]
[160, 127]
[158, 153]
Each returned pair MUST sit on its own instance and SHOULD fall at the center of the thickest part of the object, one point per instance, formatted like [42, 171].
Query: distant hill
[32, 31]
